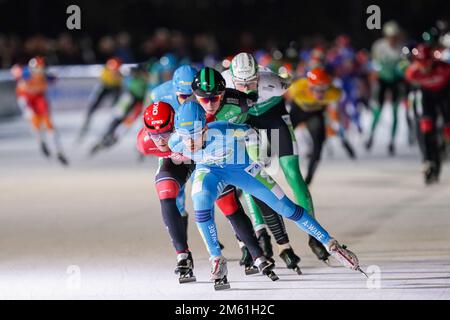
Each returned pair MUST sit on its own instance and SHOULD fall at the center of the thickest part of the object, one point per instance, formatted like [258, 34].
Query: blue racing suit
[225, 159]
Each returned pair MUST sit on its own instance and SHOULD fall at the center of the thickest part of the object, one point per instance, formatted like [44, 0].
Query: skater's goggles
[206, 100]
[252, 84]
[159, 136]
[186, 135]
[184, 96]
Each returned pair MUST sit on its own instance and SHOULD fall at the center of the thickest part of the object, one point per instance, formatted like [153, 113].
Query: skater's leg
[291, 169]
[263, 187]
[289, 160]
[395, 89]
[181, 205]
[376, 111]
[169, 179]
[52, 132]
[229, 204]
[122, 109]
[274, 222]
[255, 213]
[204, 194]
[36, 121]
[95, 101]
[316, 127]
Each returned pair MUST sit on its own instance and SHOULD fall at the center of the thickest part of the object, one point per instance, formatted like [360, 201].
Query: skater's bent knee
[167, 189]
[426, 125]
[228, 203]
[447, 131]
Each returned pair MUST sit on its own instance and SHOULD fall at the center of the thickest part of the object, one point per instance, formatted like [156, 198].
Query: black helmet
[208, 82]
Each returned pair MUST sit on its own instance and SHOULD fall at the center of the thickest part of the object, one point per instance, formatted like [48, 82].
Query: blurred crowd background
[136, 30]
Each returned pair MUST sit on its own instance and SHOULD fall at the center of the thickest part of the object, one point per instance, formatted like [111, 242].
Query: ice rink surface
[94, 230]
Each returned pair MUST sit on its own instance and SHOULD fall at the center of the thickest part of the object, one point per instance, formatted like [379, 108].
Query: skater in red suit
[430, 77]
[32, 83]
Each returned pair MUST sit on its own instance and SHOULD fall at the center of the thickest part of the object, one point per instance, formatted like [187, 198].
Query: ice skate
[266, 268]
[219, 273]
[247, 262]
[430, 173]
[318, 249]
[62, 159]
[291, 260]
[185, 268]
[265, 244]
[45, 151]
[344, 256]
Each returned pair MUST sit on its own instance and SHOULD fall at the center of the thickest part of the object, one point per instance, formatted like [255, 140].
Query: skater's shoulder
[226, 128]
[163, 91]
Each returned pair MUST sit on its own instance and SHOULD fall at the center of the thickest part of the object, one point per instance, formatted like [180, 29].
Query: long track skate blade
[249, 272]
[221, 286]
[328, 262]
[187, 279]
[297, 269]
[272, 276]
[362, 271]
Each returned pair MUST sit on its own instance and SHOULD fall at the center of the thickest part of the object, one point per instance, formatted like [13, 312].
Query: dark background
[268, 21]
[278, 18]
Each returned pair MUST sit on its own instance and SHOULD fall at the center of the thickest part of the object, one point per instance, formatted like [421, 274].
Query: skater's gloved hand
[252, 97]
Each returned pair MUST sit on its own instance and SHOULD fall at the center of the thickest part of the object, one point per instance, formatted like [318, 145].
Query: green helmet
[208, 82]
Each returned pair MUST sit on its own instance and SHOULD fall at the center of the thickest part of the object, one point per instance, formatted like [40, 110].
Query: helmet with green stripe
[243, 67]
[208, 82]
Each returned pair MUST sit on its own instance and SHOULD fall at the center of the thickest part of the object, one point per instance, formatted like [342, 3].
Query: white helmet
[244, 67]
[391, 29]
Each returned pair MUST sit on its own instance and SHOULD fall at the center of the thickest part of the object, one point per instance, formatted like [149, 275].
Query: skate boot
[82, 134]
[265, 244]
[247, 262]
[185, 268]
[110, 140]
[266, 268]
[369, 144]
[391, 149]
[318, 249]
[96, 148]
[349, 149]
[45, 151]
[291, 259]
[430, 172]
[62, 159]
[219, 273]
[344, 256]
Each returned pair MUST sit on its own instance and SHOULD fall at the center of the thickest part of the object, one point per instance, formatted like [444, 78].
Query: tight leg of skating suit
[263, 187]
[376, 111]
[231, 207]
[274, 222]
[316, 128]
[32, 117]
[431, 103]
[96, 98]
[277, 118]
[205, 189]
[395, 90]
[255, 212]
[181, 205]
[170, 178]
[42, 104]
